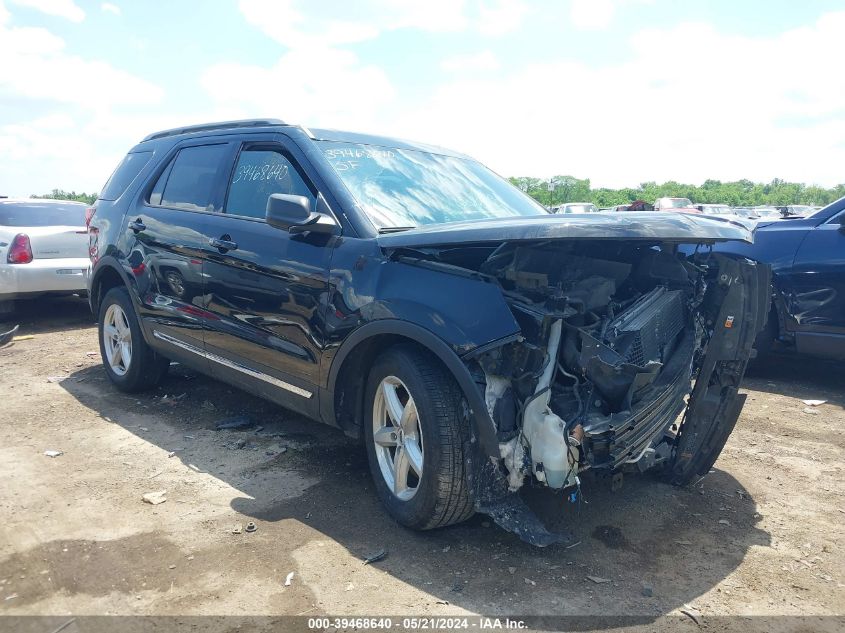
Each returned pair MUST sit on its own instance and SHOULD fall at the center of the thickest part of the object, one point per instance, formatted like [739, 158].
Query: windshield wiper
[395, 229]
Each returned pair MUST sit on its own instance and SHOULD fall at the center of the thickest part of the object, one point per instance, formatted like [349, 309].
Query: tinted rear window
[190, 180]
[41, 214]
[129, 168]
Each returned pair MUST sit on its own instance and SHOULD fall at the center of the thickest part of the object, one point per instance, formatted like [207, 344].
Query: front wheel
[130, 363]
[418, 437]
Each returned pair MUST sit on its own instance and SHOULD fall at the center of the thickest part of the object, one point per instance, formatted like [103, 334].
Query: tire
[145, 368]
[441, 495]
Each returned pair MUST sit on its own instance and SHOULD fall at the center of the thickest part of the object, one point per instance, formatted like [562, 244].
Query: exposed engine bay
[606, 360]
[613, 337]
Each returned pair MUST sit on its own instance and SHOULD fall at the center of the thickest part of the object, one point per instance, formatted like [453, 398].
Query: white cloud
[592, 14]
[477, 62]
[35, 65]
[313, 86]
[596, 15]
[67, 9]
[296, 24]
[108, 7]
[501, 16]
[79, 138]
[719, 106]
[282, 21]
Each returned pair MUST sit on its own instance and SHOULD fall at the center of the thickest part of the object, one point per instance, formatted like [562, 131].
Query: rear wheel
[130, 363]
[418, 439]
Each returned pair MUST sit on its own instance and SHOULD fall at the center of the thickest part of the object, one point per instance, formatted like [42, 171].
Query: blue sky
[620, 91]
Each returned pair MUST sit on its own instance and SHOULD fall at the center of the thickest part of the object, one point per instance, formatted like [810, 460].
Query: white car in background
[43, 249]
[726, 212]
[576, 207]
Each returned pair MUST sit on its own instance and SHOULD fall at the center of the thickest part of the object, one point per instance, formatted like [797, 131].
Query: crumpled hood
[650, 226]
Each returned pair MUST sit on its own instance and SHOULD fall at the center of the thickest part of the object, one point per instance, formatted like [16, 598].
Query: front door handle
[223, 243]
[138, 225]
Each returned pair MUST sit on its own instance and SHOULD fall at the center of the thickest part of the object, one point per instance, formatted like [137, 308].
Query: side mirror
[294, 214]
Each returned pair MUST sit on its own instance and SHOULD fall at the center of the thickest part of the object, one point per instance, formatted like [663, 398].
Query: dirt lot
[762, 534]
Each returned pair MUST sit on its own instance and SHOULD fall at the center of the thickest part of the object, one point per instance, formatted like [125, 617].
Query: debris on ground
[55, 378]
[528, 581]
[441, 602]
[648, 590]
[598, 579]
[51, 453]
[690, 613]
[9, 335]
[241, 443]
[377, 556]
[512, 570]
[172, 400]
[250, 527]
[174, 451]
[237, 528]
[237, 422]
[814, 403]
[810, 411]
[289, 579]
[724, 522]
[155, 498]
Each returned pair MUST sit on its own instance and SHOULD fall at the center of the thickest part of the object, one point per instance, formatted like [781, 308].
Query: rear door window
[126, 172]
[189, 181]
[260, 172]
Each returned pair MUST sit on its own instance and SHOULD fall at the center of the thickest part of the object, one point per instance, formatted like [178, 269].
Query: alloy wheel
[397, 436]
[117, 339]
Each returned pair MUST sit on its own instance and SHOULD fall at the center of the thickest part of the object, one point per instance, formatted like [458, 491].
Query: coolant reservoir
[554, 451]
[546, 432]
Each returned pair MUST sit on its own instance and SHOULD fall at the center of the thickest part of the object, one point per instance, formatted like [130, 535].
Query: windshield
[768, 213]
[716, 210]
[409, 188]
[42, 214]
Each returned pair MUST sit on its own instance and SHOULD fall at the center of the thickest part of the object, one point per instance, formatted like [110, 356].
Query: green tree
[61, 194]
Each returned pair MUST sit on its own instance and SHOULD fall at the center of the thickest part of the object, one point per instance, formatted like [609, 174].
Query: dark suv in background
[416, 300]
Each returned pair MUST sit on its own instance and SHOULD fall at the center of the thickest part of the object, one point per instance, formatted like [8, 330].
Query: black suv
[416, 300]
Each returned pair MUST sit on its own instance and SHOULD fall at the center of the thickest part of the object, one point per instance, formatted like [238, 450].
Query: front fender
[484, 426]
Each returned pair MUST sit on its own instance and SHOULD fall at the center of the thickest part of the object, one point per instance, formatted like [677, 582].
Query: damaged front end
[629, 357]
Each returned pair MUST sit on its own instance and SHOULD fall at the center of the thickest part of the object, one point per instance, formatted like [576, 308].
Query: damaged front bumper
[614, 376]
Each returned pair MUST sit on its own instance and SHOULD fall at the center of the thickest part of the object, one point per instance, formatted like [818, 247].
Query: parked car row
[748, 216]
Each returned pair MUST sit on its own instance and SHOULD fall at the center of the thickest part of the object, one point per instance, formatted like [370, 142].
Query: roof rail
[207, 127]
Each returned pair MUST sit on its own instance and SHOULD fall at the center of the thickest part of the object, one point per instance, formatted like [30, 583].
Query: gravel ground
[761, 535]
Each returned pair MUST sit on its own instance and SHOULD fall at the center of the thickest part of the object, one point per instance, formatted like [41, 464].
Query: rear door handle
[223, 243]
[138, 225]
